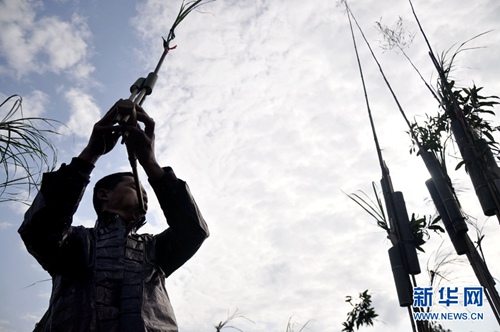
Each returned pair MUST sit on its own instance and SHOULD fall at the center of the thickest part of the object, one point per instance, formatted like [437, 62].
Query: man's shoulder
[81, 228]
[82, 231]
[144, 236]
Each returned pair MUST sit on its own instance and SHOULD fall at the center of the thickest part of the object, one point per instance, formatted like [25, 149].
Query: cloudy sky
[260, 109]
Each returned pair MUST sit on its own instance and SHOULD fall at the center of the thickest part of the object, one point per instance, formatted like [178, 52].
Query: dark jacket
[109, 278]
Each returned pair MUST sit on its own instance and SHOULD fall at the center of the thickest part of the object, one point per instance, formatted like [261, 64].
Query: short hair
[109, 182]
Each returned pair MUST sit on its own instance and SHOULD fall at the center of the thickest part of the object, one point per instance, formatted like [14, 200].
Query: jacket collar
[107, 218]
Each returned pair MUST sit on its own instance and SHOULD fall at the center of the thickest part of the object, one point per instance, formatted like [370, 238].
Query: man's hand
[142, 142]
[103, 138]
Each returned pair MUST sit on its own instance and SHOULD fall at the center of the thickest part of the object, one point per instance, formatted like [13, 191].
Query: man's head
[116, 193]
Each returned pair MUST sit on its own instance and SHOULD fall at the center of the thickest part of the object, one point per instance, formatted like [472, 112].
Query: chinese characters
[471, 296]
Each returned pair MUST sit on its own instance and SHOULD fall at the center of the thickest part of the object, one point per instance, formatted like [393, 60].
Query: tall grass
[26, 150]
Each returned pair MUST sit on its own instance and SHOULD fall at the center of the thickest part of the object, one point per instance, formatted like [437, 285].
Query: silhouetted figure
[109, 278]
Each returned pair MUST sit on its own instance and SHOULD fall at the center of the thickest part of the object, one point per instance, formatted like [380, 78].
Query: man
[109, 278]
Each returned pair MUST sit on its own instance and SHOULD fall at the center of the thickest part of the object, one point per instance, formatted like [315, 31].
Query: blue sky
[260, 109]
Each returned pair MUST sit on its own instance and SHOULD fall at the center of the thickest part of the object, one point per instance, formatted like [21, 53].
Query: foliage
[184, 11]
[441, 267]
[361, 314]
[434, 132]
[420, 228]
[396, 36]
[475, 107]
[223, 324]
[373, 208]
[456, 103]
[25, 150]
[429, 135]
[290, 326]
[436, 327]
[466, 103]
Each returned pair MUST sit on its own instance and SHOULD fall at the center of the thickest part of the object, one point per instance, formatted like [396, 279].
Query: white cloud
[6, 326]
[34, 104]
[84, 113]
[41, 44]
[4, 225]
[62, 42]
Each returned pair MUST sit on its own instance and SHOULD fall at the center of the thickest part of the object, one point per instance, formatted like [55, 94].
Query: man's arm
[47, 223]
[187, 230]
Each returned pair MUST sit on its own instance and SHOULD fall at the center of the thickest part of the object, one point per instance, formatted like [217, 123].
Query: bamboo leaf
[460, 164]
[25, 150]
